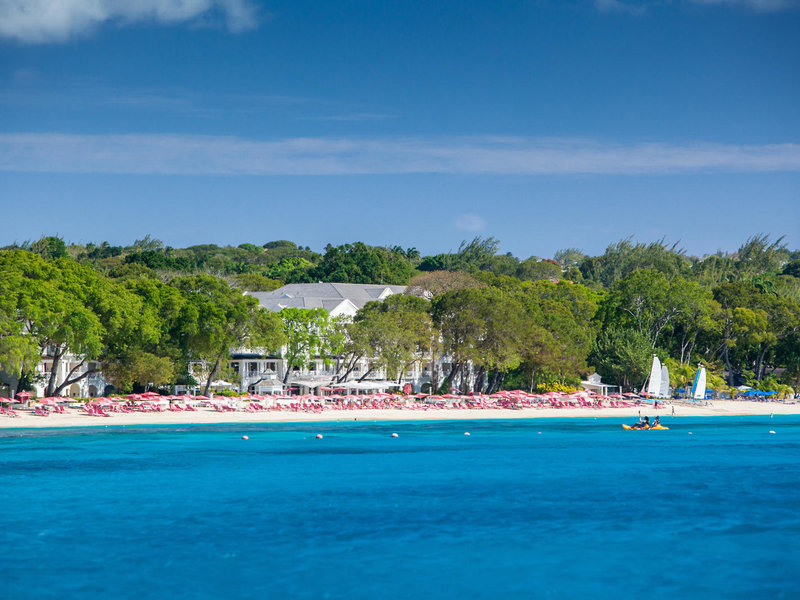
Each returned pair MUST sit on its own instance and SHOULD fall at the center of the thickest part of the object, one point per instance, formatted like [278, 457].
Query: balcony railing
[252, 376]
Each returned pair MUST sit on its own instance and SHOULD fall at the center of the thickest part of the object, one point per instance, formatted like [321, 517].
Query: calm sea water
[519, 509]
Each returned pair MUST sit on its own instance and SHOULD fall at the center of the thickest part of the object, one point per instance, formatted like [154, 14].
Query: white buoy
[244, 437]
[395, 435]
[319, 436]
[690, 433]
[771, 431]
[466, 433]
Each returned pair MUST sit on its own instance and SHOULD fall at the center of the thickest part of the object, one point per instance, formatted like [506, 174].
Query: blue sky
[544, 124]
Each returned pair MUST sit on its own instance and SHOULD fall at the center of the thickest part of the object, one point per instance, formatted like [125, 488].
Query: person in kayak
[656, 421]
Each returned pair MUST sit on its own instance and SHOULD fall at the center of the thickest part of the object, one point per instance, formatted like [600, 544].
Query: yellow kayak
[660, 427]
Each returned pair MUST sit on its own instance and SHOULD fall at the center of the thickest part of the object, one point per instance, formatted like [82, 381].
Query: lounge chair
[9, 412]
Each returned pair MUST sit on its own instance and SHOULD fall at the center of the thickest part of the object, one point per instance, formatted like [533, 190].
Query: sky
[544, 124]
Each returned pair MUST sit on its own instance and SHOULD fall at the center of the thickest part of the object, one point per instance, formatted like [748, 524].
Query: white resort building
[257, 373]
[264, 374]
[70, 366]
[339, 299]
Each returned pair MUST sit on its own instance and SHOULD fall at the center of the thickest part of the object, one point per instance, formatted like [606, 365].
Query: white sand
[78, 419]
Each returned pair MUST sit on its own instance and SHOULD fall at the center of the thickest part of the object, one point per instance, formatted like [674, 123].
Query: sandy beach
[77, 418]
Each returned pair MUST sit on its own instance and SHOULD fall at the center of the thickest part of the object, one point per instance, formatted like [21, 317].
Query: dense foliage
[143, 312]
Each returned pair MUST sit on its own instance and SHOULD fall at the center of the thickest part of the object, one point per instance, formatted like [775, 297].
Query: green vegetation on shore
[143, 312]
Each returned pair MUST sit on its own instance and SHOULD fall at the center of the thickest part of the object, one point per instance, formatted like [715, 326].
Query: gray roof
[322, 295]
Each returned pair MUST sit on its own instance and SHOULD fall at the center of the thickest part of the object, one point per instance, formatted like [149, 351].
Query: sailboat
[699, 385]
[654, 385]
[664, 391]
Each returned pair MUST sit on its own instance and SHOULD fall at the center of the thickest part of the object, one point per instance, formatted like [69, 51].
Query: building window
[235, 367]
[252, 367]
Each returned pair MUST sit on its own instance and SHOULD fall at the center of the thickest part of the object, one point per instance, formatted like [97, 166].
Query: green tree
[433, 283]
[138, 367]
[140, 357]
[625, 257]
[532, 269]
[697, 320]
[648, 302]
[622, 356]
[759, 255]
[216, 318]
[309, 333]
[359, 263]
[481, 325]
[49, 247]
[69, 310]
[792, 268]
[568, 257]
[742, 324]
[394, 334]
[558, 332]
[19, 352]
[253, 282]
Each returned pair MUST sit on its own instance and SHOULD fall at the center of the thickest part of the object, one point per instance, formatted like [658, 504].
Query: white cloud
[355, 117]
[618, 6]
[470, 222]
[757, 5]
[211, 155]
[43, 21]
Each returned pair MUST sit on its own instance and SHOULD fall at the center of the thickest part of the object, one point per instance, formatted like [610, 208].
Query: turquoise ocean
[546, 508]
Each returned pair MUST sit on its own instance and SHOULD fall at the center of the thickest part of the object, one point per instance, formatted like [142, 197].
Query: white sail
[664, 391]
[699, 387]
[655, 377]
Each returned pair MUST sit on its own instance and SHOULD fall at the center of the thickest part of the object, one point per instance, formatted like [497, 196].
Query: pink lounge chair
[96, 411]
[41, 411]
[190, 408]
[9, 412]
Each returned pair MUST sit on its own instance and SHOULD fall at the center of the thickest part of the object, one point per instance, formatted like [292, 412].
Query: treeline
[264, 267]
[143, 312]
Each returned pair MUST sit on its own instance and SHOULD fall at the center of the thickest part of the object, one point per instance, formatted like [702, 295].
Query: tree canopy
[142, 312]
